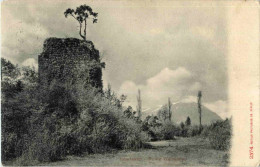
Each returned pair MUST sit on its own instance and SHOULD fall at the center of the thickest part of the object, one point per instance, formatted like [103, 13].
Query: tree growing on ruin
[81, 14]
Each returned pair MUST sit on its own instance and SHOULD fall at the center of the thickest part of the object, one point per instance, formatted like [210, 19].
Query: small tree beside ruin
[81, 14]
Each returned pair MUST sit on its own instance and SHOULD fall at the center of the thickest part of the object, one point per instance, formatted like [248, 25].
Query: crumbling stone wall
[70, 60]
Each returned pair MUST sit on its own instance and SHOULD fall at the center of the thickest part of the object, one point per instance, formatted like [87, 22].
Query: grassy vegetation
[193, 151]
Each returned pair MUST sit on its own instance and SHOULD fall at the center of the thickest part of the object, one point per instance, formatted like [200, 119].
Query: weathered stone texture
[70, 60]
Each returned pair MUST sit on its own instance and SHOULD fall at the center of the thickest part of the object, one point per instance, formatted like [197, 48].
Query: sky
[165, 49]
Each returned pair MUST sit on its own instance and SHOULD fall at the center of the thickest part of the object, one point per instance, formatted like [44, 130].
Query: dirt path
[180, 141]
[179, 152]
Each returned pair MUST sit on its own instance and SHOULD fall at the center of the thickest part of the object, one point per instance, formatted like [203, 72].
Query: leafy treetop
[81, 14]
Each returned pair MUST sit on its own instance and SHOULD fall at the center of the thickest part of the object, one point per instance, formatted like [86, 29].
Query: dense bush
[89, 123]
[193, 131]
[158, 130]
[168, 131]
[16, 107]
[219, 134]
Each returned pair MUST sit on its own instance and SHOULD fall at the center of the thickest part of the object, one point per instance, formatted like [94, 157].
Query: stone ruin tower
[70, 61]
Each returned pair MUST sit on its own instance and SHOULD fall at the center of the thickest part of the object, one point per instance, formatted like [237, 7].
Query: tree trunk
[139, 104]
[170, 109]
[85, 30]
[80, 27]
[199, 108]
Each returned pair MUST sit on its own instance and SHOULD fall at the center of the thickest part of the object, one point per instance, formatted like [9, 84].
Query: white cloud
[175, 84]
[220, 107]
[166, 75]
[189, 99]
[30, 62]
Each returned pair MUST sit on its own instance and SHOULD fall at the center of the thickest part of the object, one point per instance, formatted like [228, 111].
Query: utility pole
[139, 104]
[199, 107]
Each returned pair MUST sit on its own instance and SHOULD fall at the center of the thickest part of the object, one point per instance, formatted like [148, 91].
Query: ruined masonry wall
[69, 60]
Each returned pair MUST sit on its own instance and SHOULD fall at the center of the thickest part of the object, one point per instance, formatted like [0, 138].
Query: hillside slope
[183, 110]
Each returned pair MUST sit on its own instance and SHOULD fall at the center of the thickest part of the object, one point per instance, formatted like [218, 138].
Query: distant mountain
[183, 110]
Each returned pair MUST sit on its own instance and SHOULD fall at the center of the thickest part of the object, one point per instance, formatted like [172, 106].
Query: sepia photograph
[129, 83]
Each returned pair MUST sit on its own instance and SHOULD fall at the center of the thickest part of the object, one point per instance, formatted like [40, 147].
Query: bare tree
[139, 104]
[199, 107]
[81, 14]
[170, 108]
